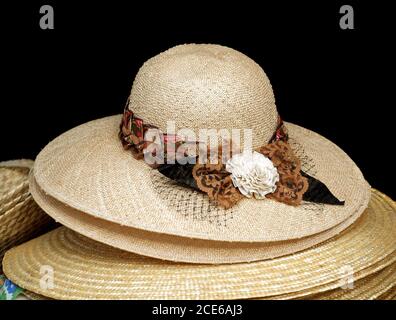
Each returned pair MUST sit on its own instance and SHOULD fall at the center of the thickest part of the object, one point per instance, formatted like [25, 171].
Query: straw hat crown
[205, 86]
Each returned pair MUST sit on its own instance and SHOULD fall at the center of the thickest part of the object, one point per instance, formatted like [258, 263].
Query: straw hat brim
[368, 288]
[369, 283]
[34, 296]
[86, 168]
[13, 182]
[389, 295]
[377, 286]
[174, 248]
[86, 269]
[20, 216]
[17, 163]
[22, 222]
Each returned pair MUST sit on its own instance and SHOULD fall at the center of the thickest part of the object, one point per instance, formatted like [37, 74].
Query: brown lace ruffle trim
[293, 186]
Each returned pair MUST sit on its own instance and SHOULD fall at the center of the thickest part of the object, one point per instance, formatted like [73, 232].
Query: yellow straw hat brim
[369, 288]
[86, 269]
[389, 295]
[374, 282]
[173, 248]
[34, 296]
[377, 286]
[87, 169]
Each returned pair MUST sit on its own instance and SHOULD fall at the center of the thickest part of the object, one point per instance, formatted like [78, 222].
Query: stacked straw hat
[291, 217]
[21, 218]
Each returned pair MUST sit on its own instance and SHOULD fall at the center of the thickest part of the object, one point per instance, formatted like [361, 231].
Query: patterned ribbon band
[287, 183]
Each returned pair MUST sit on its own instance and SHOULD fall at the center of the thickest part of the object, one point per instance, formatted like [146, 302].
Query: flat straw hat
[377, 286]
[174, 248]
[197, 86]
[369, 283]
[21, 218]
[86, 269]
[369, 288]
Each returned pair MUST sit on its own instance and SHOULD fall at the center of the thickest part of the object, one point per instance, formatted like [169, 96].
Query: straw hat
[33, 296]
[174, 248]
[13, 182]
[377, 286]
[20, 217]
[86, 269]
[375, 281]
[389, 295]
[369, 288]
[196, 86]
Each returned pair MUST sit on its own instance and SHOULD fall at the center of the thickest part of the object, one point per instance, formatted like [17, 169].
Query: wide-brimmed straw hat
[20, 217]
[368, 284]
[86, 269]
[308, 188]
[377, 286]
[174, 248]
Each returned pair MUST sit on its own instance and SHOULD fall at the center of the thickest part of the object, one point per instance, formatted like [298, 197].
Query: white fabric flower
[253, 174]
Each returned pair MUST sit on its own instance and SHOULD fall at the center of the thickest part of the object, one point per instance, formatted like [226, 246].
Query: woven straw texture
[21, 218]
[369, 288]
[173, 248]
[369, 283]
[21, 223]
[389, 295]
[380, 285]
[205, 86]
[86, 269]
[373, 287]
[34, 296]
[86, 168]
[197, 86]
[13, 182]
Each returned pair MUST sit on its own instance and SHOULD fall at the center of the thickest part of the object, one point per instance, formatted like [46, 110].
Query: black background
[252, 309]
[336, 82]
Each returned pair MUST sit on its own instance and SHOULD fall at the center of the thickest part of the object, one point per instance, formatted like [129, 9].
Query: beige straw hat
[196, 86]
[21, 218]
[174, 248]
[86, 269]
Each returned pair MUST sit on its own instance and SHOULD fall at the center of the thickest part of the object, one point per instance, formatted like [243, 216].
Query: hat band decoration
[272, 171]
